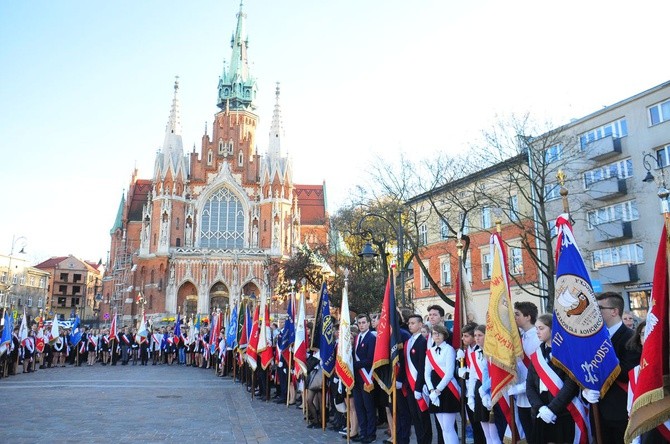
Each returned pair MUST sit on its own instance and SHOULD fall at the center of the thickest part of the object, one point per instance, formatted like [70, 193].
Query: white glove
[435, 398]
[280, 365]
[461, 372]
[511, 390]
[417, 395]
[398, 385]
[591, 396]
[460, 354]
[547, 415]
[486, 402]
[471, 403]
[482, 392]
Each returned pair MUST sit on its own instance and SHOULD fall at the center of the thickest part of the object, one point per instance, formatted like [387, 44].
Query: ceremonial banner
[344, 364]
[177, 330]
[23, 329]
[288, 332]
[651, 405]
[264, 347]
[252, 352]
[55, 332]
[502, 344]
[315, 340]
[113, 332]
[300, 346]
[143, 331]
[231, 333]
[389, 341]
[581, 344]
[39, 340]
[8, 327]
[327, 339]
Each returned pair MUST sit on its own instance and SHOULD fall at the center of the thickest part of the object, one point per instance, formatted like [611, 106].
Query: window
[515, 260]
[623, 254]
[77, 277]
[32, 281]
[240, 159]
[625, 211]
[222, 221]
[424, 278]
[3, 278]
[486, 217]
[61, 302]
[444, 229]
[76, 289]
[552, 191]
[43, 282]
[621, 169]
[663, 156]
[514, 208]
[75, 302]
[445, 271]
[222, 146]
[487, 266]
[468, 269]
[30, 301]
[62, 289]
[616, 129]
[423, 234]
[178, 244]
[39, 302]
[63, 277]
[15, 279]
[209, 157]
[22, 280]
[553, 153]
[659, 113]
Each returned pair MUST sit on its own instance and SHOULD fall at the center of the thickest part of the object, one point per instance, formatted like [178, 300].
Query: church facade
[202, 231]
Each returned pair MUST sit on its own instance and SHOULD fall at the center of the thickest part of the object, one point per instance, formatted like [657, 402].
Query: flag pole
[561, 176]
[323, 401]
[394, 413]
[459, 247]
[348, 428]
[289, 379]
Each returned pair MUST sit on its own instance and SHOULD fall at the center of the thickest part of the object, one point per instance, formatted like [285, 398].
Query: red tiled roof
[312, 204]
[51, 263]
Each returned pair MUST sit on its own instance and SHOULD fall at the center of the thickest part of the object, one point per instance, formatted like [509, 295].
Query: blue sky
[86, 87]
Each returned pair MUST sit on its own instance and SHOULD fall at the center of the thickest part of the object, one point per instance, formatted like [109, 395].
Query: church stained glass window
[222, 224]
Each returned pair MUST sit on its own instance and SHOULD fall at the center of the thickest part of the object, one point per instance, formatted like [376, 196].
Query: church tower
[204, 229]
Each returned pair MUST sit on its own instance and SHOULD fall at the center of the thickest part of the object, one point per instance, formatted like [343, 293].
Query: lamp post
[368, 252]
[662, 187]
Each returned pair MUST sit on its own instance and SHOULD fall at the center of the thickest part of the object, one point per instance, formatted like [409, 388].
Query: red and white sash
[453, 388]
[475, 364]
[554, 384]
[93, 341]
[125, 339]
[368, 383]
[412, 374]
[106, 339]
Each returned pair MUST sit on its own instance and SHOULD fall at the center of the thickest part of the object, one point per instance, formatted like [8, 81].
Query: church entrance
[218, 297]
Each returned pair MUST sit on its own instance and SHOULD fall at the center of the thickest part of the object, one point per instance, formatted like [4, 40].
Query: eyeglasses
[602, 307]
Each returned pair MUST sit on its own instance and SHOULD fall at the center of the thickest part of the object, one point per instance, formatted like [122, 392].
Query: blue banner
[580, 341]
[327, 343]
[288, 332]
[231, 332]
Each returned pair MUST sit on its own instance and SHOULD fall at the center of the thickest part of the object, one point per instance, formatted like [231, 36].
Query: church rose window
[222, 224]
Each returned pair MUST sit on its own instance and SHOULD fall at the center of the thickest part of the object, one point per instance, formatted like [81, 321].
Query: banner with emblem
[581, 344]
[389, 341]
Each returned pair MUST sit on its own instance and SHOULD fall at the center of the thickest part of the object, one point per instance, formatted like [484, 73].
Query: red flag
[651, 406]
[113, 334]
[301, 340]
[389, 342]
[268, 353]
[39, 340]
[252, 353]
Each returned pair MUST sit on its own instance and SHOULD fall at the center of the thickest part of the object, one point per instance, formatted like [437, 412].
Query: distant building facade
[203, 229]
[22, 286]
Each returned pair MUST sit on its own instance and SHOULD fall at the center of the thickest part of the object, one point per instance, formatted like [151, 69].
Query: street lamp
[368, 252]
[20, 242]
[662, 187]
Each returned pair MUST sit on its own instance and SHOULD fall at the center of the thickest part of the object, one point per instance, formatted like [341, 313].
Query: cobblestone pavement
[124, 404]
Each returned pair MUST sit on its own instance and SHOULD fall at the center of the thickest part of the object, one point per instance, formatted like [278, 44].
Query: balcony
[614, 230]
[618, 274]
[608, 188]
[604, 148]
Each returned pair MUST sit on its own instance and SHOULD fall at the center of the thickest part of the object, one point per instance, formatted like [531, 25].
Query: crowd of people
[434, 379]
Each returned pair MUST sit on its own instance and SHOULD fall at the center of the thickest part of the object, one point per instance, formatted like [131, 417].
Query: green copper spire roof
[118, 222]
[237, 88]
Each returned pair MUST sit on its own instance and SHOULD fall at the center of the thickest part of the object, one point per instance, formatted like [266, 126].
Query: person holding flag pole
[344, 361]
[113, 338]
[459, 319]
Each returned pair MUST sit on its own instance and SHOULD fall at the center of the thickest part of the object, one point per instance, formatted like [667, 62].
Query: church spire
[276, 129]
[171, 153]
[174, 121]
[237, 88]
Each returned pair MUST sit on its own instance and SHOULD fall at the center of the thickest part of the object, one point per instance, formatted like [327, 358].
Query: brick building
[201, 231]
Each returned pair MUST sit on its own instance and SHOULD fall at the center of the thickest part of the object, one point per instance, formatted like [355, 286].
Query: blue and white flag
[580, 341]
[6, 339]
[288, 332]
[327, 343]
[231, 332]
[75, 336]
